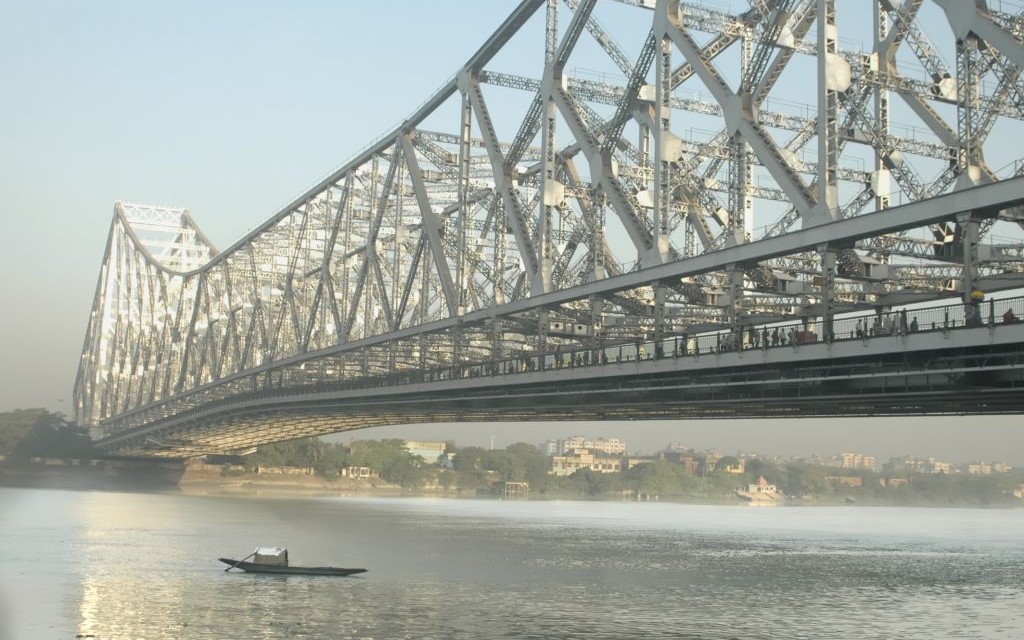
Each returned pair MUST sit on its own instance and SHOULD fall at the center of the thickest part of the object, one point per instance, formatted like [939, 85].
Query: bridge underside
[965, 379]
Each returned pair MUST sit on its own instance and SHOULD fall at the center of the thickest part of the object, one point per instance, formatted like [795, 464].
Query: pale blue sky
[232, 109]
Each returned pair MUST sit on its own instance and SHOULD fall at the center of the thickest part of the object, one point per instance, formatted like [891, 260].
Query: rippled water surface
[120, 565]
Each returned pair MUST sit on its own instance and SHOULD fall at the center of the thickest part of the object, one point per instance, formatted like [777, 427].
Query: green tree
[727, 462]
[471, 479]
[469, 458]
[658, 478]
[406, 471]
[757, 468]
[333, 457]
[534, 464]
[15, 426]
[802, 479]
[590, 483]
[37, 432]
[325, 457]
[390, 458]
[376, 454]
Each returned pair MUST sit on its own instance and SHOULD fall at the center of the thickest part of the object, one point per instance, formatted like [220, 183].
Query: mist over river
[132, 565]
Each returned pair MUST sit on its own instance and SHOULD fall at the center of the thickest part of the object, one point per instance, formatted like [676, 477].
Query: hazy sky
[232, 109]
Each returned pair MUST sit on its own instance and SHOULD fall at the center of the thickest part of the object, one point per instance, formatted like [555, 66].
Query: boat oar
[241, 561]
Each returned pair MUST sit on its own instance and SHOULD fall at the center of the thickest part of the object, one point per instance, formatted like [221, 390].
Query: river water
[129, 565]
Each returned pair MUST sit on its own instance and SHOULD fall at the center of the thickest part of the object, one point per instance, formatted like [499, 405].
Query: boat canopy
[271, 555]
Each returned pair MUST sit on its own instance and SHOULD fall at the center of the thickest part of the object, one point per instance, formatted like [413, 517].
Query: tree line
[480, 470]
[28, 433]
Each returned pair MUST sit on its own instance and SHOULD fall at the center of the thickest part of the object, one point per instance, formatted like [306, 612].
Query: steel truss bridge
[618, 209]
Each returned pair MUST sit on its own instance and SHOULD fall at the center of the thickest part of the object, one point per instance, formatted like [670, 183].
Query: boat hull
[252, 567]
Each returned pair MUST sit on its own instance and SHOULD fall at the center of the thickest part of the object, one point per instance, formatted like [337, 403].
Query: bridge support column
[736, 304]
[885, 63]
[666, 151]
[833, 79]
[972, 296]
[596, 329]
[542, 336]
[458, 348]
[422, 353]
[497, 339]
[597, 241]
[552, 190]
[465, 134]
[659, 320]
[969, 71]
[828, 290]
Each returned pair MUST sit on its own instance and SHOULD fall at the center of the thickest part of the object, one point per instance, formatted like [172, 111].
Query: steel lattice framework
[654, 179]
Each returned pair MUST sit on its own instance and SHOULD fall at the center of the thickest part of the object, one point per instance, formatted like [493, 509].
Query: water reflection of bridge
[474, 265]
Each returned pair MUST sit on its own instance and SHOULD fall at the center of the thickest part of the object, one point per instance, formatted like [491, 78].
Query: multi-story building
[611, 446]
[928, 465]
[628, 462]
[571, 462]
[931, 465]
[689, 460]
[696, 464]
[709, 462]
[904, 464]
[979, 469]
[856, 461]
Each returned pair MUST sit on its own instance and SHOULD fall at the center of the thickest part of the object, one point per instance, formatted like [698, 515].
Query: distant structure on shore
[761, 493]
[610, 446]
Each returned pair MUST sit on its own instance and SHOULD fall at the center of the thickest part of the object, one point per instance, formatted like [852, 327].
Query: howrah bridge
[616, 209]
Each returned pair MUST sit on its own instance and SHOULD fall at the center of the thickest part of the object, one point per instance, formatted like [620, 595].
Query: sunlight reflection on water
[116, 565]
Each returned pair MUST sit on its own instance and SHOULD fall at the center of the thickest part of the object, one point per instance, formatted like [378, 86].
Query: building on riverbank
[570, 463]
[610, 446]
[431, 452]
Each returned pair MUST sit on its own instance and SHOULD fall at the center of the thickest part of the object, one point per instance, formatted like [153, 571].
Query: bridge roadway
[907, 362]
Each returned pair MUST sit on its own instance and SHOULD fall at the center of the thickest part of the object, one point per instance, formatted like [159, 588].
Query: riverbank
[192, 478]
[104, 475]
[226, 479]
[195, 478]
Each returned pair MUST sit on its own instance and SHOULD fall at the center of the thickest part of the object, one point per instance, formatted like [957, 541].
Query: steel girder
[476, 210]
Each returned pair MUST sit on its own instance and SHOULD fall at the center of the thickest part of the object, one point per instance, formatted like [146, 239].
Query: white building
[762, 486]
[610, 446]
[573, 461]
[429, 451]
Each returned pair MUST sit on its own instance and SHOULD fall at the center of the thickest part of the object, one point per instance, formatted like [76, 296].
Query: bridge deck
[952, 369]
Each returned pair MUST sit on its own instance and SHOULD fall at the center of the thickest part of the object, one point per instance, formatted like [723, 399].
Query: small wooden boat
[275, 560]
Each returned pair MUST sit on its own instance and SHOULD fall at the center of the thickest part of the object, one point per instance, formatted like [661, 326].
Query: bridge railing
[848, 327]
[851, 327]
[763, 336]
